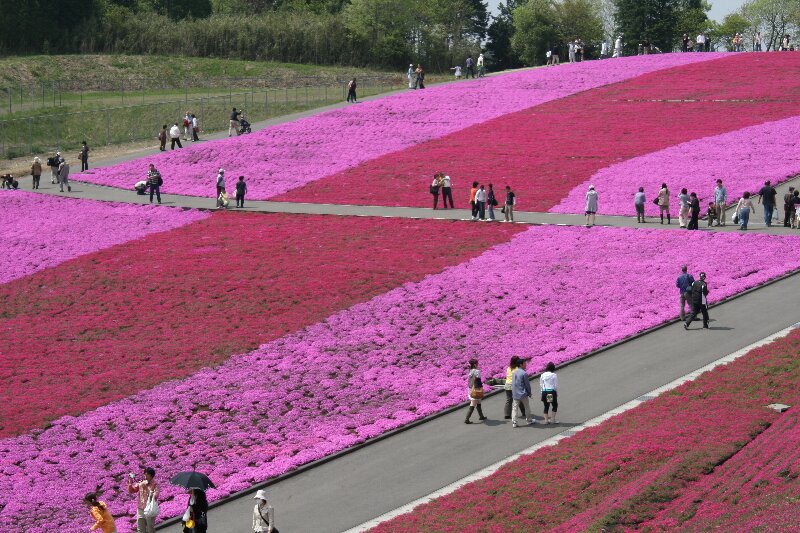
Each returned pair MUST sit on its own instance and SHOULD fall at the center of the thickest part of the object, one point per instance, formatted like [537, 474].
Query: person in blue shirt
[521, 392]
[684, 284]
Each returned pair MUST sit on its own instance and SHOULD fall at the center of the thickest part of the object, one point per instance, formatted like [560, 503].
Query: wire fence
[131, 123]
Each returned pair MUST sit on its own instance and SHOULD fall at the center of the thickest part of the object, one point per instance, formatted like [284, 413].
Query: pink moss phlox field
[742, 159]
[552, 293]
[39, 231]
[286, 156]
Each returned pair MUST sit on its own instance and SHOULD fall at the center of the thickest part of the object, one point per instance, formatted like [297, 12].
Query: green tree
[731, 25]
[773, 18]
[580, 19]
[652, 20]
[692, 18]
[384, 26]
[535, 30]
[500, 54]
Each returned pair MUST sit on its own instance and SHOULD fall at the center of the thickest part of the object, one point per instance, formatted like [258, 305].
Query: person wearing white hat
[263, 515]
[220, 181]
[411, 76]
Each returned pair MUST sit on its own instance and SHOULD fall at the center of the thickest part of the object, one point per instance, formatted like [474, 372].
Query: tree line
[380, 33]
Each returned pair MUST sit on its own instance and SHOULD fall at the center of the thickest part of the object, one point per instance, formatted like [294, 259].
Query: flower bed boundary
[569, 432]
[549, 442]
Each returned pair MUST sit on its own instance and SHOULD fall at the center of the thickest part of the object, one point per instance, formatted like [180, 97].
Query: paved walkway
[376, 479]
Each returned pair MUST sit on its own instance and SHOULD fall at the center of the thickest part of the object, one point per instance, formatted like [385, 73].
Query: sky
[719, 8]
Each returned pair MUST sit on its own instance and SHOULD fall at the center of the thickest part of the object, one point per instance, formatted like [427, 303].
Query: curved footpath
[355, 487]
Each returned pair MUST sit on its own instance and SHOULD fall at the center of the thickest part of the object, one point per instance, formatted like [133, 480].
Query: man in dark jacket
[788, 208]
[694, 206]
[699, 302]
[684, 284]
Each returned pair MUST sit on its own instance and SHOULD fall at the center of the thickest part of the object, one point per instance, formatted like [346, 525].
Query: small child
[458, 72]
[548, 383]
[241, 189]
[711, 213]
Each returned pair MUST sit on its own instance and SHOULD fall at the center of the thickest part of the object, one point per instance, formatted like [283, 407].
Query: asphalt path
[375, 479]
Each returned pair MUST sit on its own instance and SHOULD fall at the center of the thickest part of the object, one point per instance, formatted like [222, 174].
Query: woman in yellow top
[512, 365]
[99, 511]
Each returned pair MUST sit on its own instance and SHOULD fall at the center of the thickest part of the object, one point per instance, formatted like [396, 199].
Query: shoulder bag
[151, 510]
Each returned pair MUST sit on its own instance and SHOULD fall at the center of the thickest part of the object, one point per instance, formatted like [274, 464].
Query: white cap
[221, 171]
[260, 495]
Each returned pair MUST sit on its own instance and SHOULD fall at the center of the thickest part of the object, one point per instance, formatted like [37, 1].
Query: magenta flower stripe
[283, 157]
[742, 159]
[38, 231]
[369, 369]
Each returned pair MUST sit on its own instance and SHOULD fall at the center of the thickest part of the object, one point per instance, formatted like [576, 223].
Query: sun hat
[221, 170]
[591, 186]
[260, 495]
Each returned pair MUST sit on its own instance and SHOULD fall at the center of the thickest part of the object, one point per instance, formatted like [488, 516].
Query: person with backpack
[154, 181]
[241, 190]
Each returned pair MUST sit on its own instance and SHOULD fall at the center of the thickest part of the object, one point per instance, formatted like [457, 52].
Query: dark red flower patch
[105, 325]
[545, 151]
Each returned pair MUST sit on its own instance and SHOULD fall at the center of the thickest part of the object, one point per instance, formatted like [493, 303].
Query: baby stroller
[244, 126]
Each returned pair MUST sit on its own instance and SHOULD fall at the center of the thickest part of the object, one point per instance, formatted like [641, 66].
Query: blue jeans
[744, 216]
[491, 212]
[155, 189]
[768, 209]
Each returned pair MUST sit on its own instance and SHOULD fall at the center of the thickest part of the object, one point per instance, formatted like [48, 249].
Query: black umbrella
[192, 480]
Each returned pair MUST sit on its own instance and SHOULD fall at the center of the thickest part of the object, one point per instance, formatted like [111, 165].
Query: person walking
[521, 392]
[663, 203]
[796, 209]
[554, 57]
[720, 200]
[638, 204]
[475, 391]
[447, 192]
[187, 126]
[684, 284]
[154, 182]
[351, 91]
[241, 190]
[233, 124]
[473, 204]
[162, 138]
[767, 196]
[175, 136]
[436, 184]
[512, 366]
[470, 67]
[743, 209]
[263, 514]
[63, 175]
[100, 513]
[146, 490]
[411, 76]
[419, 81]
[694, 211]
[196, 512]
[548, 384]
[220, 181]
[195, 128]
[788, 208]
[511, 201]
[481, 68]
[54, 162]
[591, 205]
[84, 156]
[36, 172]
[618, 47]
[699, 301]
[684, 209]
[480, 202]
[491, 203]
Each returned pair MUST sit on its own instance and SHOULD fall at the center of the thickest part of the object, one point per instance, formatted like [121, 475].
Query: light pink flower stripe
[742, 159]
[283, 157]
[39, 231]
[552, 293]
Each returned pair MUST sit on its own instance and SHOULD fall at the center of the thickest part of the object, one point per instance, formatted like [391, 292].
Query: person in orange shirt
[472, 192]
[99, 511]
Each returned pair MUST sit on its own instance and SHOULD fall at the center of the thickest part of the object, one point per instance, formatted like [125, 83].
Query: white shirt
[548, 381]
[174, 132]
[701, 39]
[480, 60]
[446, 181]
[194, 122]
[480, 196]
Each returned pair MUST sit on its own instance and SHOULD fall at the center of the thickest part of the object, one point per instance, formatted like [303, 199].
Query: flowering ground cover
[545, 151]
[368, 369]
[742, 159]
[39, 231]
[286, 156]
[653, 468]
[106, 325]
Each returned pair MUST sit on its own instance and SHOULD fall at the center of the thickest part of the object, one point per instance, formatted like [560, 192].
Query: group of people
[470, 67]
[194, 518]
[689, 206]
[416, 77]
[700, 44]
[517, 388]
[481, 199]
[695, 293]
[222, 195]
